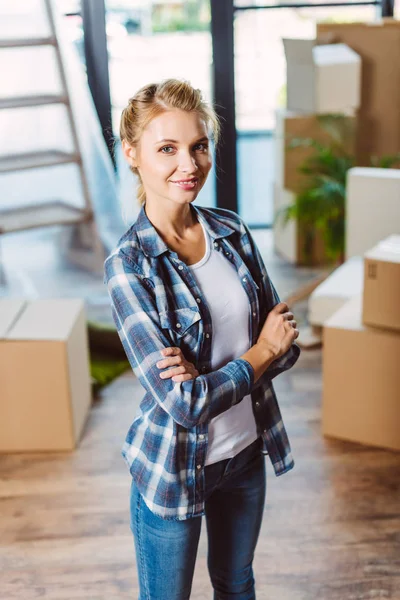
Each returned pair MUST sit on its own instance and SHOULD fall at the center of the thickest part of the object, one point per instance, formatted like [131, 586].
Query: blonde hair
[156, 98]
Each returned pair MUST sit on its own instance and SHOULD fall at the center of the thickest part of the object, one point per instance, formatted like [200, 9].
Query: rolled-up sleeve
[134, 311]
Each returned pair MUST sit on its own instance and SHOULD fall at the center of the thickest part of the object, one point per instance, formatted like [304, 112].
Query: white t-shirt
[233, 430]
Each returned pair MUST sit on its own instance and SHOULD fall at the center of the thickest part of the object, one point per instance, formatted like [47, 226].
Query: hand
[279, 330]
[183, 372]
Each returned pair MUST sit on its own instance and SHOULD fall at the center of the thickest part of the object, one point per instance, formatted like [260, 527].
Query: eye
[205, 146]
[163, 148]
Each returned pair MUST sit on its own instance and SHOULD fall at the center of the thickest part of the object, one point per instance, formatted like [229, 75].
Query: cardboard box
[361, 380]
[372, 208]
[378, 45]
[381, 299]
[289, 239]
[322, 78]
[44, 374]
[290, 125]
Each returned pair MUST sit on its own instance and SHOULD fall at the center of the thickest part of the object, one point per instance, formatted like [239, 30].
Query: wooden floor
[331, 529]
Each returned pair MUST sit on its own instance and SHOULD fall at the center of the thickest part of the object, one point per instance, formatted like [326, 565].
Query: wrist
[268, 351]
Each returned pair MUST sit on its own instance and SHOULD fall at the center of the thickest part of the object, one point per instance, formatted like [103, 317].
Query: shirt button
[198, 299]
[207, 335]
[216, 244]
[180, 267]
[254, 314]
[265, 431]
[244, 278]
[201, 436]
[178, 325]
[257, 404]
[199, 466]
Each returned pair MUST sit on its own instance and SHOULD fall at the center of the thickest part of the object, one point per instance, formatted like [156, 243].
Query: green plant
[107, 356]
[320, 204]
[104, 370]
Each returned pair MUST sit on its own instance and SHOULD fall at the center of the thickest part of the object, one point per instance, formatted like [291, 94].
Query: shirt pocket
[182, 324]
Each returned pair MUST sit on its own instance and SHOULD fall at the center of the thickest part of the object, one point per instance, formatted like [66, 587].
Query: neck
[173, 222]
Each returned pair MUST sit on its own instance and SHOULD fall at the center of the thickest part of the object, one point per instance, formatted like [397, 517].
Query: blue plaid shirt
[156, 303]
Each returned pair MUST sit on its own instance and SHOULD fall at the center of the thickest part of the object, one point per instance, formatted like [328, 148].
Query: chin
[186, 197]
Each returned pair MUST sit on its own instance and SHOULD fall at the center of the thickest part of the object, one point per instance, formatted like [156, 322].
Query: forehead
[178, 125]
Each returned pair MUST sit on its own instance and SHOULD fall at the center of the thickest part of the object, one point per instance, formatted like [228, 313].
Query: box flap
[10, 309]
[334, 54]
[375, 173]
[299, 51]
[46, 319]
[387, 250]
[348, 316]
[346, 281]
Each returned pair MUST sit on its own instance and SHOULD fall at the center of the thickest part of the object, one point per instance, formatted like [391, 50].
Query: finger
[168, 362]
[288, 316]
[170, 351]
[172, 372]
[184, 377]
[281, 307]
[289, 329]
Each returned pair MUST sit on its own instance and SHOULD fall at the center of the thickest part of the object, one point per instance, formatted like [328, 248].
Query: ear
[129, 153]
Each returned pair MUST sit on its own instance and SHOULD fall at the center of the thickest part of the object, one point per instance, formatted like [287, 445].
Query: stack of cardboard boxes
[321, 79]
[372, 213]
[353, 69]
[361, 357]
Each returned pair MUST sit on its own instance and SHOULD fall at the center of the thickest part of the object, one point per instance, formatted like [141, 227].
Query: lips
[192, 180]
[186, 184]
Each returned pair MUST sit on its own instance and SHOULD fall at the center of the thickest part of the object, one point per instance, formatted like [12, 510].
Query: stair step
[35, 100]
[36, 160]
[39, 215]
[26, 42]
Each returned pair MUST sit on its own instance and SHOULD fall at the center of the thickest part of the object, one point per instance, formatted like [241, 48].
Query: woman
[205, 333]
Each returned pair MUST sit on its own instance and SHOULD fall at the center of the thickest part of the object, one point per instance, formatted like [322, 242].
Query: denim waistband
[221, 470]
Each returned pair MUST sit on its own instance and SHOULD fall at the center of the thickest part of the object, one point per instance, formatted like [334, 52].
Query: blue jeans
[166, 549]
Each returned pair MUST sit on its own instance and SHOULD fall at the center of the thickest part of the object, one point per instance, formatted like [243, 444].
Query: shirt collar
[152, 243]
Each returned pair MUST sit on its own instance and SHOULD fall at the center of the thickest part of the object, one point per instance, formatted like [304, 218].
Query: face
[173, 156]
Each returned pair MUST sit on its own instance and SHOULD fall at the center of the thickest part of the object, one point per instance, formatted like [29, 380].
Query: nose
[187, 163]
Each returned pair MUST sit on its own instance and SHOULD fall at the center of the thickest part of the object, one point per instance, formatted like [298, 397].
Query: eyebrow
[203, 139]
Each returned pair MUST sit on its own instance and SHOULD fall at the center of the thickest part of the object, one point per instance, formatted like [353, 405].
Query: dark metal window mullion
[223, 84]
[96, 54]
[309, 5]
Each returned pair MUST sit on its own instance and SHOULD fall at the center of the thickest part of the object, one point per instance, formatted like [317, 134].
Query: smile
[187, 184]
